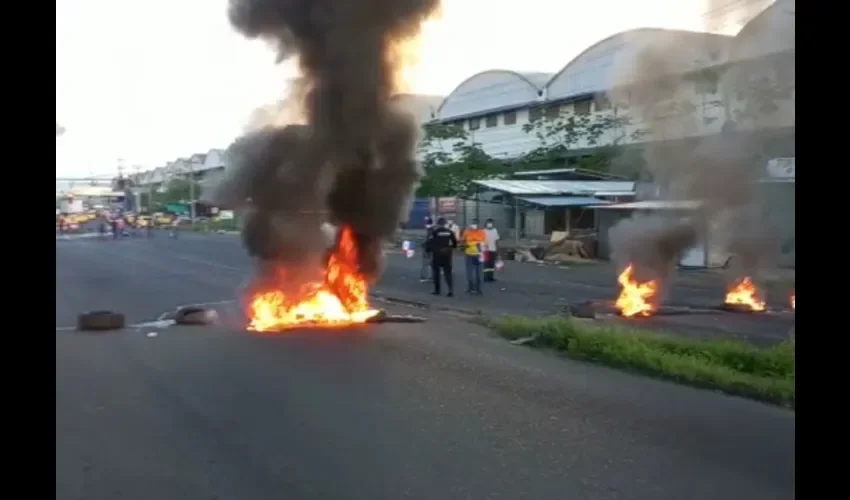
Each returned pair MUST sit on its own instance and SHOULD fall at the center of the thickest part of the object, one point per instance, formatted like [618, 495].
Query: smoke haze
[720, 170]
[347, 154]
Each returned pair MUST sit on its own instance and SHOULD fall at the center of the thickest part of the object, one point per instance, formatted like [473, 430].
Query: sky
[145, 83]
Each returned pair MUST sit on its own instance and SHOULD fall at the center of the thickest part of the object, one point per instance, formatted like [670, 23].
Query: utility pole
[137, 194]
[192, 193]
[151, 191]
[120, 185]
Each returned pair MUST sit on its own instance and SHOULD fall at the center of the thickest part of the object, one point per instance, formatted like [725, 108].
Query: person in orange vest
[474, 243]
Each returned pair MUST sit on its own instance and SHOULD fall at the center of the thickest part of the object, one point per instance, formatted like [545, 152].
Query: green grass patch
[730, 366]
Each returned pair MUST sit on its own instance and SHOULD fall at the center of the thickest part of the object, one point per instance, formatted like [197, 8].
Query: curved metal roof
[770, 32]
[505, 86]
[611, 60]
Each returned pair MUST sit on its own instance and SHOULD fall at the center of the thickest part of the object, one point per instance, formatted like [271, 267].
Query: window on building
[491, 121]
[553, 112]
[535, 114]
[582, 107]
[510, 117]
[602, 103]
[474, 123]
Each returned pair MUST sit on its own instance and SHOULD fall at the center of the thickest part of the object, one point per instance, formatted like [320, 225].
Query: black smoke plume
[351, 162]
[720, 171]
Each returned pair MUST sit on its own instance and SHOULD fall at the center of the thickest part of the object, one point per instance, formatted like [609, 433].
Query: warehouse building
[717, 75]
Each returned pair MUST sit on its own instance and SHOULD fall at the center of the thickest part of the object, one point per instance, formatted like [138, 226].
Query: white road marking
[159, 323]
[82, 236]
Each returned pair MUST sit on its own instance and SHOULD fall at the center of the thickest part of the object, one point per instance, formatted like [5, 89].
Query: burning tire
[100, 321]
[383, 317]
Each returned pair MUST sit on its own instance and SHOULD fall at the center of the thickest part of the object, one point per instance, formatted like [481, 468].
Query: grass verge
[729, 366]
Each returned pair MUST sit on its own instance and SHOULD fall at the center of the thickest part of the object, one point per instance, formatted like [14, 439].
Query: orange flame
[793, 301]
[744, 293]
[340, 300]
[635, 298]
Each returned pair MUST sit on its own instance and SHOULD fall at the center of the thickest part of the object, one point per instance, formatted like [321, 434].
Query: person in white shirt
[490, 256]
[454, 228]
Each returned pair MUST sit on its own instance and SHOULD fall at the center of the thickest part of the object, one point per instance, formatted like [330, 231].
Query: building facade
[658, 85]
[653, 85]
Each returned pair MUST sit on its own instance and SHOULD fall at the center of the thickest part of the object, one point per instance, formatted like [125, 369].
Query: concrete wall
[780, 210]
[605, 220]
[535, 224]
[471, 210]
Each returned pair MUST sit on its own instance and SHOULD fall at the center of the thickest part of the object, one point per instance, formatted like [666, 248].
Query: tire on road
[100, 321]
[194, 315]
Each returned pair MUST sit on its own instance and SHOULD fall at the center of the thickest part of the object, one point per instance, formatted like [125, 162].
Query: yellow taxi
[161, 219]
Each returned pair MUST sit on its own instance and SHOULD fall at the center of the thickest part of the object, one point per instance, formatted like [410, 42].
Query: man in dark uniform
[441, 243]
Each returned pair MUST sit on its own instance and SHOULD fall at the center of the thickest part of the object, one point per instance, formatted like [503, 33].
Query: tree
[452, 162]
[178, 191]
[569, 132]
[433, 147]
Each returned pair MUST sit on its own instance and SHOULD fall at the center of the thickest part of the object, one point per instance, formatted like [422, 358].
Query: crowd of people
[480, 250]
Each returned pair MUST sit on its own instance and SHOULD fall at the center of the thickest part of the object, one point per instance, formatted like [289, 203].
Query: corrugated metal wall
[419, 210]
[780, 208]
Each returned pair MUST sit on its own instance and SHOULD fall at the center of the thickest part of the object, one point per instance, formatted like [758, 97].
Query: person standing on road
[425, 268]
[454, 228]
[474, 243]
[440, 244]
[491, 235]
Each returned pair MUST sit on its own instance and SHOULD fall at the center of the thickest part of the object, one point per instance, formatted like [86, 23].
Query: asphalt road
[522, 289]
[440, 410]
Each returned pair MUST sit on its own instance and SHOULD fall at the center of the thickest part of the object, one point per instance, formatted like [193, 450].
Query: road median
[729, 366]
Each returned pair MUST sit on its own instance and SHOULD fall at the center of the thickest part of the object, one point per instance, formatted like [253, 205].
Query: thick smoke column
[352, 160]
[720, 170]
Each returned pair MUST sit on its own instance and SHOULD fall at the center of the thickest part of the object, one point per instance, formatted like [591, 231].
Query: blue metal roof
[565, 201]
[580, 188]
